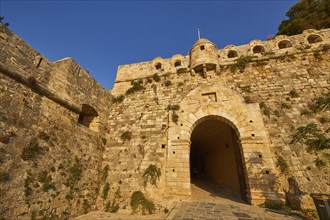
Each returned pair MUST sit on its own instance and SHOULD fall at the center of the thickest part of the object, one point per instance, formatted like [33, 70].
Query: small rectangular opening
[212, 96]
[202, 47]
[163, 146]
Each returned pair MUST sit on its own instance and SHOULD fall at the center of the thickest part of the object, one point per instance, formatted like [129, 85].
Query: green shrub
[86, 206]
[317, 56]
[241, 63]
[319, 163]
[323, 120]
[248, 99]
[75, 172]
[265, 109]
[139, 201]
[156, 77]
[246, 88]
[173, 107]
[69, 196]
[105, 172]
[175, 117]
[151, 175]
[312, 137]
[105, 190]
[282, 165]
[4, 176]
[275, 205]
[326, 47]
[293, 93]
[126, 135]
[32, 150]
[46, 180]
[112, 207]
[118, 99]
[168, 83]
[107, 207]
[321, 103]
[285, 105]
[135, 87]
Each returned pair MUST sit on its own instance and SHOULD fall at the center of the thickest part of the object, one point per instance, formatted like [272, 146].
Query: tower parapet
[203, 57]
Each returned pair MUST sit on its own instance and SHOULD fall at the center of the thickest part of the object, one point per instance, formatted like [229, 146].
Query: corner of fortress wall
[45, 128]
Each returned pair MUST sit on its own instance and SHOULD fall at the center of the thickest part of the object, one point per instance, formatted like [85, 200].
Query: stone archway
[215, 157]
[216, 101]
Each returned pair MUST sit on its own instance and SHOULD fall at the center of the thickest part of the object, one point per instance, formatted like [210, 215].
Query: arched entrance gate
[255, 171]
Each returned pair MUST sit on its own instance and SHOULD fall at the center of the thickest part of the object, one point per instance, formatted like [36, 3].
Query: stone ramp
[199, 210]
[212, 210]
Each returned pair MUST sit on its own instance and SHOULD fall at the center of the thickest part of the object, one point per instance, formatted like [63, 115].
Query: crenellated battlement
[310, 40]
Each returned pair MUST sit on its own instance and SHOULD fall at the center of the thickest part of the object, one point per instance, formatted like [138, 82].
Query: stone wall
[50, 163]
[68, 147]
[273, 90]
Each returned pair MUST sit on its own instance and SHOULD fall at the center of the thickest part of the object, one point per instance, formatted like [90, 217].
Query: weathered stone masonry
[74, 130]
[40, 105]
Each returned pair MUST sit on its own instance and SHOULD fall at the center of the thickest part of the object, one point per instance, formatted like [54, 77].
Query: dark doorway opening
[215, 158]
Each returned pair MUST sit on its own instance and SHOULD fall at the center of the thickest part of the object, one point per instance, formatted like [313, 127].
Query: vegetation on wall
[175, 116]
[312, 137]
[139, 202]
[319, 163]
[321, 103]
[136, 86]
[282, 165]
[265, 109]
[46, 180]
[168, 83]
[156, 77]
[105, 190]
[126, 135]
[246, 88]
[293, 93]
[32, 150]
[4, 176]
[105, 172]
[306, 14]
[118, 99]
[113, 206]
[2, 19]
[241, 63]
[75, 172]
[151, 175]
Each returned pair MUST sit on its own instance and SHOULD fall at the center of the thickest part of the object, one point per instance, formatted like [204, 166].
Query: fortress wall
[51, 162]
[266, 80]
[129, 72]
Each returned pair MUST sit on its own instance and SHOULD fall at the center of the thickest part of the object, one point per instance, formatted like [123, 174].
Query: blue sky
[102, 34]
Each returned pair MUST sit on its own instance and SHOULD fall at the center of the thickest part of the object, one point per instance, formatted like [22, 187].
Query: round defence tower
[203, 57]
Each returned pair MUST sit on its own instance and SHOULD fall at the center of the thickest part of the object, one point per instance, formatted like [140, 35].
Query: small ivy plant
[105, 190]
[136, 86]
[151, 175]
[312, 137]
[282, 165]
[126, 135]
[139, 201]
[105, 173]
[241, 63]
[175, 116]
